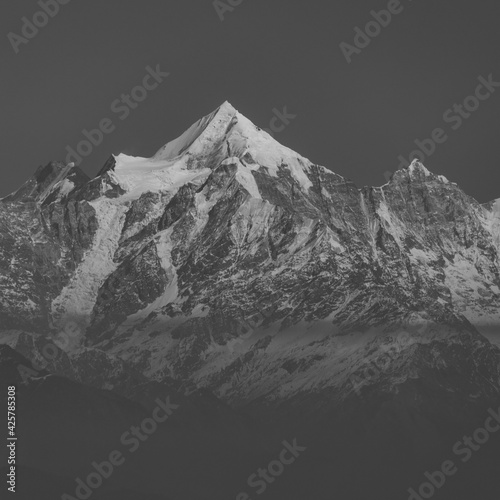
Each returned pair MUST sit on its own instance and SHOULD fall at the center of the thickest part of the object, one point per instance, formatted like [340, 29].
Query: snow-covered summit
[202, 133]
[212, 140]
[418, 171]
[417, 166]
[159, 262]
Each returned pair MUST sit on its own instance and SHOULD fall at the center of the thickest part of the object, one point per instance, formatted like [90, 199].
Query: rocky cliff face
[230, 263]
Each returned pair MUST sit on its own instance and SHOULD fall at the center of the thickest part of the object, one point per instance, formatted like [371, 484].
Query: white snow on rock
[416, 166]
[200, 135]
[65, 187]
[76, 301]
[138, 175]
[167, 169]
[245, 138]
[245, 177]
[250, 149]
[56, 182]
[491, 221]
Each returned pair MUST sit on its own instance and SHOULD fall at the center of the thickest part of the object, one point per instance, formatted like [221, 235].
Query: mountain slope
[229, 263]
[167, 257]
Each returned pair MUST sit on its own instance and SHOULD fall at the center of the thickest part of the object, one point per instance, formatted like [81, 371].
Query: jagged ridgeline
[229, 263]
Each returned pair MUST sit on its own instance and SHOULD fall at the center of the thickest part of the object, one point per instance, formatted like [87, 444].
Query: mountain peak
[417, 166]
[221, 136]
[417, 171]
[55, 177]
[210, 125]
[226, 106]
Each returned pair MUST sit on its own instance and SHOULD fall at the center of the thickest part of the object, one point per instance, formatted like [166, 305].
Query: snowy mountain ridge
[230, 134]
[165, 262]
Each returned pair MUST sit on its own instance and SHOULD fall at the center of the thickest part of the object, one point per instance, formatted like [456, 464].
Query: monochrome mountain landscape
[273, 301]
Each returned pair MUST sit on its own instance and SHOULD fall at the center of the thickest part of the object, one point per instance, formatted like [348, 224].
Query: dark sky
[355, 119]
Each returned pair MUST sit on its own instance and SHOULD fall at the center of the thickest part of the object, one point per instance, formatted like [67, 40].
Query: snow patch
[76, 301]
[204, 130]
[245, 177]
[138, 175]
[418, 166]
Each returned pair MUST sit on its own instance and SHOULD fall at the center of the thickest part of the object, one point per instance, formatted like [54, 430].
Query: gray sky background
[355, 119]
